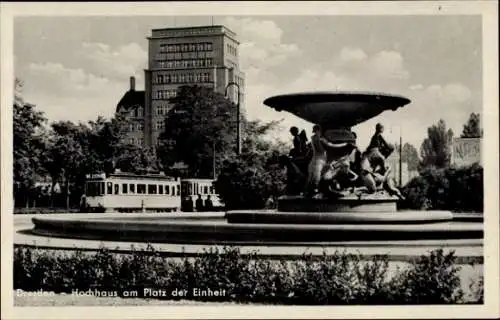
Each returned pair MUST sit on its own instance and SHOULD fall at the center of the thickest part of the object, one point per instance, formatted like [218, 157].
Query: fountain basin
[346, 217]
[214, 228]
[336, 109]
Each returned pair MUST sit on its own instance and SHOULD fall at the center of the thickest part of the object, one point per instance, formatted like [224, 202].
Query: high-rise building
[204, 56]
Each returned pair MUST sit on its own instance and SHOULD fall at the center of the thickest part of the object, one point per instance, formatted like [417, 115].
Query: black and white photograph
[238, 155]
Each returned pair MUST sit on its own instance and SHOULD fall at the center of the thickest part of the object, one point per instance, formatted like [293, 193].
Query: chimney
[132, 83]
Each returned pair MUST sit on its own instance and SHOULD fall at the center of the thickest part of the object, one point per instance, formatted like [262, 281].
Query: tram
[203, 188]
[128, 192]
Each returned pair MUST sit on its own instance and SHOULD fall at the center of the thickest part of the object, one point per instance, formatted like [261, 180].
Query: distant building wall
[466, 151]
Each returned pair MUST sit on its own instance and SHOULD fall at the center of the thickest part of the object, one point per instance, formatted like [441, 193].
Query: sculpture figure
[318, 160]
[378, 150]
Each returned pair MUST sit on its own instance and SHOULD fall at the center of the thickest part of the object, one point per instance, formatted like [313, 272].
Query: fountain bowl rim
[334, 96]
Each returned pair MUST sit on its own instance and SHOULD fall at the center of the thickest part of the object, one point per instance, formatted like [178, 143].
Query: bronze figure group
[324, 168]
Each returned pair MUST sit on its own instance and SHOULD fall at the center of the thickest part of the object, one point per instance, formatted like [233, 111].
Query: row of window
[162, 109]
[98, 189]
[165, 94]
[160, 124]
[163, 62]
[137, 111]
[132, 127]
[186, 47]
[136, 141]
[183, 78]
[198, 77]
[191, 189]
[232, 50]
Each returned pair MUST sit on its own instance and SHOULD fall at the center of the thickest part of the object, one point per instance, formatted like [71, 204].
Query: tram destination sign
[96, 176]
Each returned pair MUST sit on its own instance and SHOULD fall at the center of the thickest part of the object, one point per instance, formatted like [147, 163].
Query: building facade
[131, 105]
[203, 56]
[466, 151]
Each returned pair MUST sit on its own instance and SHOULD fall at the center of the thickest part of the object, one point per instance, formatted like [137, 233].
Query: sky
[76, 68]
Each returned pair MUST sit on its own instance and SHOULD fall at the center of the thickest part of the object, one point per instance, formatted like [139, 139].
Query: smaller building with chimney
[131, 105]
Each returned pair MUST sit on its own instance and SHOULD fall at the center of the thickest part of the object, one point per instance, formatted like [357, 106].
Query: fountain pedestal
[351, 203]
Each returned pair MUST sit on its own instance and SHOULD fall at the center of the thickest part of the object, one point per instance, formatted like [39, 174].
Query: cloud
[349, 55]
[120, 63]
[261, 45]
[94, 88]
[382, 68]
[70, 94]
[55, 78]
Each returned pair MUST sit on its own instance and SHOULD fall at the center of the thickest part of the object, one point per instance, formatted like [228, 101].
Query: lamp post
[400, 157]
[238, 138]
[400, 151]
[213, 159]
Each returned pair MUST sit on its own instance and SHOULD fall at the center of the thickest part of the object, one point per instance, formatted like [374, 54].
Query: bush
[457, 189]
[329, 279]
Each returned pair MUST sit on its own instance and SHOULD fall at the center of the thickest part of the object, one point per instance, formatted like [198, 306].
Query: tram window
[160, 189]
[190, 189]
[131, 186]
[211, 189]
[101, 188]
[117, 188]
[173, 190]
[151, 188]
[110, 188]
[124, 188]
[167, 189]
[178, 190]
[141, 188]
[184, 188]
[205, 190]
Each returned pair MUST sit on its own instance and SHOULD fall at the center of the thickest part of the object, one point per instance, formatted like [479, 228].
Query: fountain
[356, 215]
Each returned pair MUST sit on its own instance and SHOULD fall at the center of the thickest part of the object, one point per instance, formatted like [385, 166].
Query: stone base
[352, 203]
[325, 218]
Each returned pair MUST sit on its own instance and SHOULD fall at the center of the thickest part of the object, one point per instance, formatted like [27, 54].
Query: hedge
[455, 188]
[330, 279]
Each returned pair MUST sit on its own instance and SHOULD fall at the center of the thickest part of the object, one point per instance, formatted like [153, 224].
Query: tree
[28, 143]
[75, 150]
[136, 159]
[409, 154]
[472, 128]
[248, 180]
[67, 153]
[436, 148]
[201, 124]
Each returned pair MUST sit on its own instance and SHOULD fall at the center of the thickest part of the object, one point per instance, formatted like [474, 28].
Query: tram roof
[132, 175]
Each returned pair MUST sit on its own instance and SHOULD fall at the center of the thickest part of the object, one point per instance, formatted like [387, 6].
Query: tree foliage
[247, 181]
[436, 148]
[457, 189]
[201, 124]
[28, 142]
[472, 129]
[410, 156]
